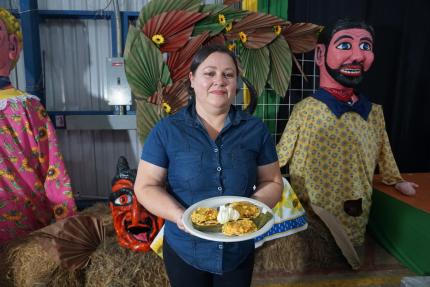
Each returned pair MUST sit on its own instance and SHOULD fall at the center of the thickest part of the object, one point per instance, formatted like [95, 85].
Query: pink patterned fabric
[34, 184]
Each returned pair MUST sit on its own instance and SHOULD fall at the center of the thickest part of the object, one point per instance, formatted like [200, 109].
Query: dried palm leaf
[217, 40]
[280, 66]
[179, 62]
[254, 39]
[71, 241]
[256, 21]
[157, 7]
[171, 98]
[255, 64]
[301, 37]
[147, 115]
[171, 30]
[231, 2]
[144, 64]
[219, 16]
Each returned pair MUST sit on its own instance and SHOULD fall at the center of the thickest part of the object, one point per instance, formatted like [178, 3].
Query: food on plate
[246, 209]
[204, 216]
[239, 227]
[227, 213]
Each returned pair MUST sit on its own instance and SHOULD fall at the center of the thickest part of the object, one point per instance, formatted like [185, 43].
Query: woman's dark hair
[205, 52]
[343, 24]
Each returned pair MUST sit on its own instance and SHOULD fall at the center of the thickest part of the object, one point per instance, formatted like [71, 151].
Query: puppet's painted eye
[124, 199]
[344, 46]
[365, 46]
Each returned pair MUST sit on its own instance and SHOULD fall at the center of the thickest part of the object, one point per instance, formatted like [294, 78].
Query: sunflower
[7, 174]
[42, 133]
[231, 46]
[221, 19]
[277, 29]
[228, 27]
[60, 211]
[42, 113]
[167, 108]
[243, 37]
[26, 166]
[53, 173]
[13, 215]
[158, 39]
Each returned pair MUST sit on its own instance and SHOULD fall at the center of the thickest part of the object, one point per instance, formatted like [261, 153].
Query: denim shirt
[199, 168]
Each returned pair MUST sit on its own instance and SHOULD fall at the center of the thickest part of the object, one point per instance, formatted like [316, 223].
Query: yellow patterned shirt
[334, 159]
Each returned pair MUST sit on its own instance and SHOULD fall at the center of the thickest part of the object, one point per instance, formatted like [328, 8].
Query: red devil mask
[135, 227]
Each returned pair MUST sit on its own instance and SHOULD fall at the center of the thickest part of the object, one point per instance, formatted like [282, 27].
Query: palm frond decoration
[280, 66]
[220, 18]
[168, 33]
[171, 98]
[256, 30]
[256, 65]
[157, 7]
[301, 37]
[179, 62]
[144, 64]
[147, 115]
[171, 30]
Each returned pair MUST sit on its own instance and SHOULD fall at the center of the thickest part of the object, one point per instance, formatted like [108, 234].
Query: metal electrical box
[117, 88]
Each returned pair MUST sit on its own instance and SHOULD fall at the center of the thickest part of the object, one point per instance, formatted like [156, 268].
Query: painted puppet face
[135, 227]
[348, 56]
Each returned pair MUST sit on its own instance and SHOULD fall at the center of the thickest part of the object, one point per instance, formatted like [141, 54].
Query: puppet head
[10, 41]
[135, 227]
[344, 53]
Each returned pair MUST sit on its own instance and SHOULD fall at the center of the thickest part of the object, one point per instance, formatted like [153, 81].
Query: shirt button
[219, 188]
[218, 168]
[215, 150]
[220, 246]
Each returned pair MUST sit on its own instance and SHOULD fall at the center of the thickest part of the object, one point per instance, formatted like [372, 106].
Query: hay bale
[307, 250]
[112, 265]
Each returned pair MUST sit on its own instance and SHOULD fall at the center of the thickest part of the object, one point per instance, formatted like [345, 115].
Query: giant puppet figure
[335, 138]
[34, 185]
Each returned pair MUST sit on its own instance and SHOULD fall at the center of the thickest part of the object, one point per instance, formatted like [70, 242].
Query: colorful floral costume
[34, 185]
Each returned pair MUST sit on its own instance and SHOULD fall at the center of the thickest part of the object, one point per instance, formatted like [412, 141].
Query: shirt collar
[363, 106]
[235, 115]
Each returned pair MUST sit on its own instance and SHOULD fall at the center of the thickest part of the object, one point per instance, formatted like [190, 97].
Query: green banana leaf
[256, 66]
[144, 65]
[156, 7]
[280, 66]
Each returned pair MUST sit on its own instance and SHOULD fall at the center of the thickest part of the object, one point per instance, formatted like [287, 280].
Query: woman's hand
[406, 187]
[179, 221]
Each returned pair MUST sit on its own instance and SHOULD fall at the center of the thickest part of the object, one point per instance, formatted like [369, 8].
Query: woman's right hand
[179, 221]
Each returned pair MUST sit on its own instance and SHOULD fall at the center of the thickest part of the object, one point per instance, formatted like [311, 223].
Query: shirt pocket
[187, 165]
[242, 172]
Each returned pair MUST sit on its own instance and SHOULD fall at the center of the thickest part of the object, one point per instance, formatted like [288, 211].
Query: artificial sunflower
[243, 37]
[167, 108]
[158, 39]
[221, 19]
[53, 172]
[277, 29]
[231, 46]
[228, 27]
[26, 166]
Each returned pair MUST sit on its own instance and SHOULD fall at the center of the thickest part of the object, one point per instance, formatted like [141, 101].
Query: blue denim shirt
[199, 168]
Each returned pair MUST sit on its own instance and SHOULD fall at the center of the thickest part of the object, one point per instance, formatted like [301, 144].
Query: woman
[209, 148]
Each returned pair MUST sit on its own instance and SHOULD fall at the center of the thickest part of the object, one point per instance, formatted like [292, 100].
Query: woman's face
[214, 82]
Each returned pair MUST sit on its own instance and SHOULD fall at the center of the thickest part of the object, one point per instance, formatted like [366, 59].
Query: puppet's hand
[406, 187]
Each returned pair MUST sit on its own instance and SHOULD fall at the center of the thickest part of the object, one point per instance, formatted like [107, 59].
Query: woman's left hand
[406, 187]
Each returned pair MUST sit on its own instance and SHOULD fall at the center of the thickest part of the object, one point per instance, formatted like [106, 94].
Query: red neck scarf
[343, 95]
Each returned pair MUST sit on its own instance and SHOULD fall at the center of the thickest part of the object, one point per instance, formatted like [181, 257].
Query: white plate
[218, 236]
